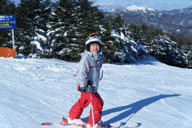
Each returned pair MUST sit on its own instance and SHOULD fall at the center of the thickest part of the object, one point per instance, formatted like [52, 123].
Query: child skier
[88, 81]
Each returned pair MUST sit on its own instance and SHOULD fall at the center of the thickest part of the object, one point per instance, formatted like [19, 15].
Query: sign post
[8, 22]
[13, 38]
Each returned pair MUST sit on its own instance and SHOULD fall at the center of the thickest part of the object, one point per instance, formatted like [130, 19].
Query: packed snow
[156, 95]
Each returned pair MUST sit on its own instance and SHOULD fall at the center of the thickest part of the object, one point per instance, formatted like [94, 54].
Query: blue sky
[155, 4]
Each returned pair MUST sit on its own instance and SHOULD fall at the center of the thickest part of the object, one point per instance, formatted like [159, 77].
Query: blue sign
[7, 21]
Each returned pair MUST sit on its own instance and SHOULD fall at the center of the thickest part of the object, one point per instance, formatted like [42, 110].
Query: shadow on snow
[133, 108]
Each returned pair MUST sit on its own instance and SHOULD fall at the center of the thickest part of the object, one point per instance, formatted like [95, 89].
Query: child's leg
[97, 104]
[77, 108]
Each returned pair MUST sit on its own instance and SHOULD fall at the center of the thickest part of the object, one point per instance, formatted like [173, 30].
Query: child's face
[94, 48]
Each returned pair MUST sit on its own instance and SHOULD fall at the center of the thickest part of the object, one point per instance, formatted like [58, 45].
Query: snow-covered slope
[39, 90]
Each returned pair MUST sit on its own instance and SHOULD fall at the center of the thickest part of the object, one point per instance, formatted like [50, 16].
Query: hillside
[38, 90]
[177, 22]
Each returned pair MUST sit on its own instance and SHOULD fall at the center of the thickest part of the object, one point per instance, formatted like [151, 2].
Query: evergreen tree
[117, 29]
[187, 49]
[62, 25]
[189, 56]
[129, 45]
[7, 7]
[33, 19]
[118, 23]
[109, 42]
[42, 26]
[73, 21]
[90, 19]
[168, 52]
[25, 26]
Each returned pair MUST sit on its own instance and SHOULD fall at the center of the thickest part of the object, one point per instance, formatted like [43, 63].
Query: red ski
[60, 125]
[65, 124]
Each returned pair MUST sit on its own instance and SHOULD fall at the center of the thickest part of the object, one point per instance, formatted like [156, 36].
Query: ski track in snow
[33, 91]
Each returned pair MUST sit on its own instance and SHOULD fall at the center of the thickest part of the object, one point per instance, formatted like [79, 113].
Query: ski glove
[82, 89]
[88, 88]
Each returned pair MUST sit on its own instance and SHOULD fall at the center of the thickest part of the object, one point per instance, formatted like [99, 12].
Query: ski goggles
[94, 35]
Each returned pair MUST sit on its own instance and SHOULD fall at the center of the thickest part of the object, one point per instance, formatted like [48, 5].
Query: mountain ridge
[176, 22]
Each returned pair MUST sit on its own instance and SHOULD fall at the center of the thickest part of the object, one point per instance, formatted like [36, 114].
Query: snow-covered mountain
[33, 91]
[135, 8]
[132, 8]
[176, 22]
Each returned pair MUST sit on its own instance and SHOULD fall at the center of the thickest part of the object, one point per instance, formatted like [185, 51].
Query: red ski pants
[83, 102]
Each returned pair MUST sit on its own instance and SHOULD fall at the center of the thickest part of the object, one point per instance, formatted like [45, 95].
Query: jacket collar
[93, 55]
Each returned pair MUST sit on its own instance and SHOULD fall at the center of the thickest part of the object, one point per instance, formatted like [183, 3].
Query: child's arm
[83, 73]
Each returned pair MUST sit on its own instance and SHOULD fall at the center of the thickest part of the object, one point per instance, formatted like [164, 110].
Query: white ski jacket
[88, 74]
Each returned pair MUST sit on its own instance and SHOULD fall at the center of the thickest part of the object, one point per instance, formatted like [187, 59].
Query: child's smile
[94, 48]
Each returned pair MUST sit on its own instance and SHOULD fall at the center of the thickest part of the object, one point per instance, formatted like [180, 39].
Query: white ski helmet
[92, 38]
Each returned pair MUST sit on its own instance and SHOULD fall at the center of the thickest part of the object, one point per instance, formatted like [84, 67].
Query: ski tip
[64, 120]
[46, 123]
[138, 124]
